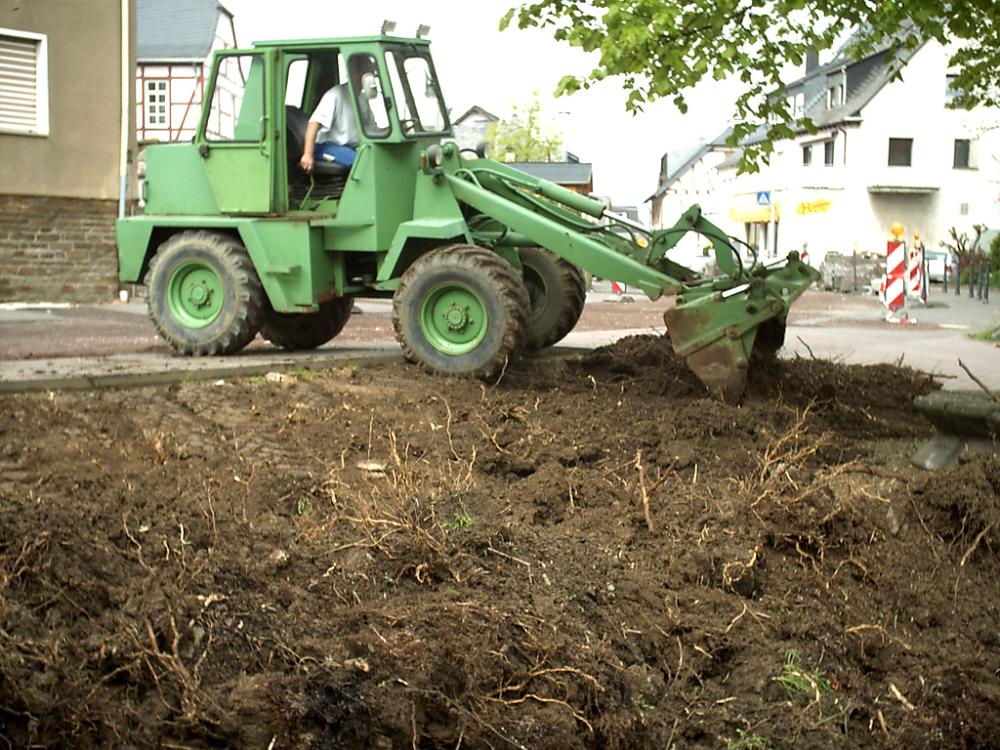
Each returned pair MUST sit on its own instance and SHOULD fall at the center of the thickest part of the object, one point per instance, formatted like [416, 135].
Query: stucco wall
[79, 157]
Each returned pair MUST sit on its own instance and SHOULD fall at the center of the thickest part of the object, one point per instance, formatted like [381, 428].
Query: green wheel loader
[480, 260]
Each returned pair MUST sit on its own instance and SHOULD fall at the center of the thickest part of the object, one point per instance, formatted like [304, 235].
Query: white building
[689, 176]
[472, 127]
[174, 46]
[885, 151]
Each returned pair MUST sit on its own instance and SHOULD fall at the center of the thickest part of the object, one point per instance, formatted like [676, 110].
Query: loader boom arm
[715, 321]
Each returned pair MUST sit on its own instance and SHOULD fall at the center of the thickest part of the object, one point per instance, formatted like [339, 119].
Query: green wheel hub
[454, 319]
[195, 294]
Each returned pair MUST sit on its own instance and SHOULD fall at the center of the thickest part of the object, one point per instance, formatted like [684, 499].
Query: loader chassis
[481, 260]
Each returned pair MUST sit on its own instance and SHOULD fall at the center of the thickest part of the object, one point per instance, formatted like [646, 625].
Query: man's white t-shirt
[336, 118]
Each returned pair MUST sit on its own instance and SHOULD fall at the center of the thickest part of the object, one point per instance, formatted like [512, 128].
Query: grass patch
[458, 522]
[795, 681]
[746, 741]
[986, 335]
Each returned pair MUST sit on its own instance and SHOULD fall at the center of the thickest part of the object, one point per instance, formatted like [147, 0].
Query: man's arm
[306, 162]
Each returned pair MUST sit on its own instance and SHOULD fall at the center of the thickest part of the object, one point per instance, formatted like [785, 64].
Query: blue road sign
[764, 198]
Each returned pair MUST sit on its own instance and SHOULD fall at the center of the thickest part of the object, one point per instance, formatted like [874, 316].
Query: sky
[480, 65]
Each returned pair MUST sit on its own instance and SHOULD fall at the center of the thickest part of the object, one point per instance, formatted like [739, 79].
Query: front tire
[460, 310]
[557, 292]
[307, 330]
[204, 295]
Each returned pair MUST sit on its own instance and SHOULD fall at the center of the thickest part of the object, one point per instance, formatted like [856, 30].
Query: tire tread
[250, 311]
[498, 273]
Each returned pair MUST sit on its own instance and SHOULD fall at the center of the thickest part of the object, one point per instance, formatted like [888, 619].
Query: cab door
[236, 137]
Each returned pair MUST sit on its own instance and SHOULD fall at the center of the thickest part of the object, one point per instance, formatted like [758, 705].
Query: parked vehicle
[937, 262]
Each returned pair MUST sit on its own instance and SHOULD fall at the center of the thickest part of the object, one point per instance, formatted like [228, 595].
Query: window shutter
[19, 89]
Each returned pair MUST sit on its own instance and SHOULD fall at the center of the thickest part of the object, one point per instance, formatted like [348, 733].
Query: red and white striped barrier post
[893, 284]
[916, 287]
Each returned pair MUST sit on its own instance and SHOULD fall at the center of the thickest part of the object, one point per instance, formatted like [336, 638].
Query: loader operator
[332, 132]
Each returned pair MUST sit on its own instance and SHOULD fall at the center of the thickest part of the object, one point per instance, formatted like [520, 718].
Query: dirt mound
[590, 553]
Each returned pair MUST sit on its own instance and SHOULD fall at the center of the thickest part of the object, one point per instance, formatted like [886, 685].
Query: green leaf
[672, 45]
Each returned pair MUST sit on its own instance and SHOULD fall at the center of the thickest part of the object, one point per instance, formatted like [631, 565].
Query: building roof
[864, 79]
[681, 160]
[560, 172]
[176, 29]
[476, 110]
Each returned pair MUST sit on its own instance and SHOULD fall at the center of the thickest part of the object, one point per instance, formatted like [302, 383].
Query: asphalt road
[51, 346]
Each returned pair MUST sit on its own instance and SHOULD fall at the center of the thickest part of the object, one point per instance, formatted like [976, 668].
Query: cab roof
[340, 41]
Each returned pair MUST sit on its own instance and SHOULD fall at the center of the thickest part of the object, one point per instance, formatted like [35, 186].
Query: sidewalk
[51, 347]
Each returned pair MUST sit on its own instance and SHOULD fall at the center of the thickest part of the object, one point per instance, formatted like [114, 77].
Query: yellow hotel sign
[814, 207]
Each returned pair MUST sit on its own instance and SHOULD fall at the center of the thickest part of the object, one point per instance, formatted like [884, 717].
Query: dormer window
[835, 96]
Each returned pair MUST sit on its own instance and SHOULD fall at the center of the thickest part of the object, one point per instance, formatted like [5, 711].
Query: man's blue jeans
[333, 152]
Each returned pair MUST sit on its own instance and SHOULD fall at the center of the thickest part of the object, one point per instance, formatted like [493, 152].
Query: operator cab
[259, 101]
[394, 94]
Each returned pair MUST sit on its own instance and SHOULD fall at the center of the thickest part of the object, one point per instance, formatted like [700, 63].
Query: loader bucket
[714, 328]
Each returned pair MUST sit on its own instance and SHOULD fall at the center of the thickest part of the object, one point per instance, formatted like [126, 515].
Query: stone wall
[57, 249]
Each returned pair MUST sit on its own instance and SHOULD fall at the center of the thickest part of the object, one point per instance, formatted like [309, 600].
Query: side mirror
[369, 85]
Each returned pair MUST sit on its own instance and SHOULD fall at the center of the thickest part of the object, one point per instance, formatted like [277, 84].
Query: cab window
[421, 109]
[373, 102]
[236, 109]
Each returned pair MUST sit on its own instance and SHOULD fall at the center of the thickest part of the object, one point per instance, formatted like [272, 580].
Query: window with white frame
[964, 153]
[796, 104]
[157, 104]
[900, 152]
[834, 96]
[24, 84]
[828, 153]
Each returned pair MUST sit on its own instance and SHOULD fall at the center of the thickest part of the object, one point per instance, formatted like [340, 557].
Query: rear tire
[460, 310]
[204, 295]
[307, 330]
[557, 291]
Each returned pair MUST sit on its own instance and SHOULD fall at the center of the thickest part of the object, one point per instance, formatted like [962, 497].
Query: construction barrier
[893, 288]
[915, 273]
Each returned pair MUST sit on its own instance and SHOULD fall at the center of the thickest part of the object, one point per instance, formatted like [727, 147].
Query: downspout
[843, 75]
[126, 75]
